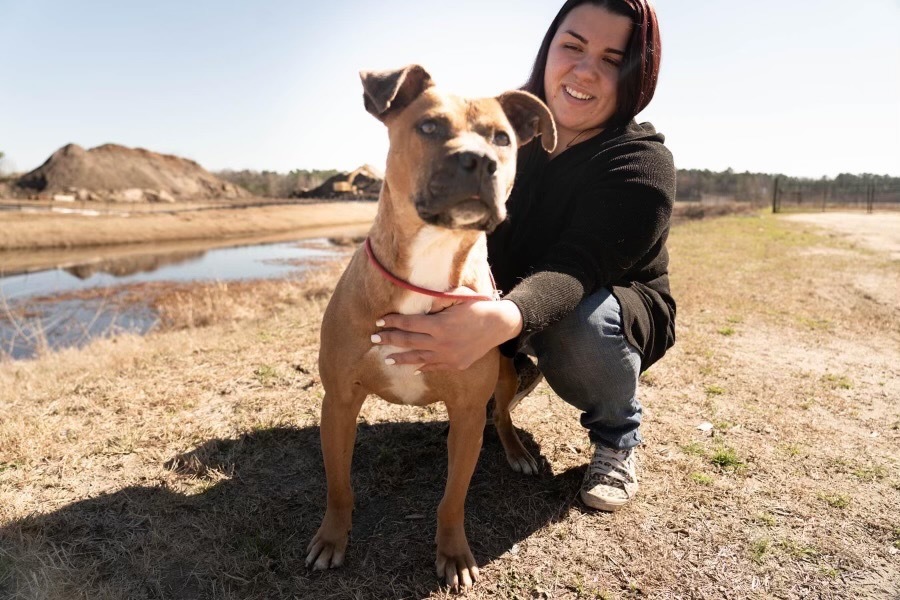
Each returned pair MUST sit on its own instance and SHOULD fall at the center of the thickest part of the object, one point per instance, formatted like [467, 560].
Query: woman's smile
[576, 94]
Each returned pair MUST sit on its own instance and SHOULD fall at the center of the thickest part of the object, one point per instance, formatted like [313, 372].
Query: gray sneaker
[610, 481]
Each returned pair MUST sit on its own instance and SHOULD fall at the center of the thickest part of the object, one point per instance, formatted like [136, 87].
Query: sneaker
[529, 377]
[610, 481]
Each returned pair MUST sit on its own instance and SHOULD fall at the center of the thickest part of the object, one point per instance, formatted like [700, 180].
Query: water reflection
[69, 306]
[68, 323]
[129, 265]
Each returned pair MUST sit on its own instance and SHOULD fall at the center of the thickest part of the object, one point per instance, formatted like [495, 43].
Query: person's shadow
[245, 535]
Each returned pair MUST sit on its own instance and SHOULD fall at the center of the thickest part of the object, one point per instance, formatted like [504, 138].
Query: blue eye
[428, 127]
[501, 139]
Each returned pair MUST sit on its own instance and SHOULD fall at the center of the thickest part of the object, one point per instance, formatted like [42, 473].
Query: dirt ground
[30, 231]
[186, 464]
[879, 231]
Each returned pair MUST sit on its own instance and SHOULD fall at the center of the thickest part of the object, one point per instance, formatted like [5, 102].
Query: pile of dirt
[113, 172]
[364, 182]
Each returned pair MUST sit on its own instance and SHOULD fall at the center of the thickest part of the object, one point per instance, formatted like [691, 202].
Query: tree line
[693, 184]
[703, 184]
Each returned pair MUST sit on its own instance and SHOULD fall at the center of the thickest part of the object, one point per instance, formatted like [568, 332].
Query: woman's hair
[640, 65]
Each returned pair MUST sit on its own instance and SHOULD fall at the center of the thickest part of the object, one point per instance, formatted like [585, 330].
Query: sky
[802, 88]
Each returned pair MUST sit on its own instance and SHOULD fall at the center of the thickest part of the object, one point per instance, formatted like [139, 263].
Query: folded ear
[529, 117]
[386, 92]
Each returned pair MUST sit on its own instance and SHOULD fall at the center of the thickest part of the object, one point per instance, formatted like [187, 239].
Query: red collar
[414, 288]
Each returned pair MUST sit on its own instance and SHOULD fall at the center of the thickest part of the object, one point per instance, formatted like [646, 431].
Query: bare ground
[186, 464]
[45, 230]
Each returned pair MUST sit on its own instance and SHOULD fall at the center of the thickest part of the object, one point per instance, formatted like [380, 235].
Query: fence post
[870, 198]
[775, 196]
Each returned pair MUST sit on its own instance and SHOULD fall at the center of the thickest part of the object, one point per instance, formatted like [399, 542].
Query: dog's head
[453, 158]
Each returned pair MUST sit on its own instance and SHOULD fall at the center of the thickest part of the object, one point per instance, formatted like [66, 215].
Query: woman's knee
[587, 353]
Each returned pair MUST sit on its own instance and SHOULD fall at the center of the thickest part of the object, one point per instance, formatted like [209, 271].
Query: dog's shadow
[263, 494]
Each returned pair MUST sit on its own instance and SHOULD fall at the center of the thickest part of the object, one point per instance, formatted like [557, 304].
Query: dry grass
[186, 464]
[31, 231]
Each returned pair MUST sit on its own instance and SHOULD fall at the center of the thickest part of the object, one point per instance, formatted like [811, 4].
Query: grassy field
[186, 464]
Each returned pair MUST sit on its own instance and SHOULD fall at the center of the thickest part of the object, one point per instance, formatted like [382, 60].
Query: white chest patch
[406, 386]
[431, 254]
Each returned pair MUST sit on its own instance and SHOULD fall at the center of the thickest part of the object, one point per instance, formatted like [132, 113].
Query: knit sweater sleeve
[621, 209]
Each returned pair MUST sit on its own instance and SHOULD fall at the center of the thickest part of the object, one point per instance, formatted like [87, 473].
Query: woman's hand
[453, 336]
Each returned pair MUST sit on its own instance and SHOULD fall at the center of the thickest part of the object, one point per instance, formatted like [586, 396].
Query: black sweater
[596, 215]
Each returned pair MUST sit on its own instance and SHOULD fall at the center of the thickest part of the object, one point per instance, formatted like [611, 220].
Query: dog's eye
[501, 139]
[428, 127]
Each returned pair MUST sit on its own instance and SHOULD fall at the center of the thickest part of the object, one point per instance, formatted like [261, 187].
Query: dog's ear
[529, 117]
[387, 92]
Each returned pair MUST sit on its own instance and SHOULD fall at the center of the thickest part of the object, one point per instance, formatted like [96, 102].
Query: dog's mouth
[469, 212]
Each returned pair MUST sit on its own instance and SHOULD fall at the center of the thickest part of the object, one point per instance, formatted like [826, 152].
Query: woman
[582, 258]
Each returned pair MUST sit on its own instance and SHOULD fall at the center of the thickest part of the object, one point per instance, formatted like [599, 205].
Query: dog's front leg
[455, 562]
[338, 432]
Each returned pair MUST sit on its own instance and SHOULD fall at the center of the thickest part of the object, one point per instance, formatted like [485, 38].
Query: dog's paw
[457, 569]
[521, 461]
[326, 552]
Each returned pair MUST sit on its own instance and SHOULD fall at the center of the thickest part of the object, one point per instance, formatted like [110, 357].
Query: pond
[72, 304]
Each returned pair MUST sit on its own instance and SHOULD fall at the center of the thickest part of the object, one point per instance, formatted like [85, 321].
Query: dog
[450, 169]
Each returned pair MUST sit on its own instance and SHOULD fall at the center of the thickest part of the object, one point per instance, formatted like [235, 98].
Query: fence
[868, 196]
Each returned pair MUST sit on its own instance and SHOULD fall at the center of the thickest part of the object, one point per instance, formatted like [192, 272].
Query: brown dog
[450, 169]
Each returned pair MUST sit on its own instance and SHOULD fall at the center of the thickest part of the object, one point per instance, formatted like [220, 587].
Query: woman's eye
[571, 47]
[501, 139]
[428, 127]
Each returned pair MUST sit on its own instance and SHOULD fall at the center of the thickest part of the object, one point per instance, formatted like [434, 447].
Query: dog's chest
[432, 260]
[434, 266]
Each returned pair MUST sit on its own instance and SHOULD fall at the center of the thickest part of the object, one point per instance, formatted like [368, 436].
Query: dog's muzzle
[462, 194]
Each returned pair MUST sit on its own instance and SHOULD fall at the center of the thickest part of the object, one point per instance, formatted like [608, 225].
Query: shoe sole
[604, 505]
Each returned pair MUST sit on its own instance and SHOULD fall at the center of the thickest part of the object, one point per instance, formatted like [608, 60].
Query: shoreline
[18, 262]
[30, 232]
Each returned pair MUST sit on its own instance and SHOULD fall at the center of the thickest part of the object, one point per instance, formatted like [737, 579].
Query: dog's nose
[472, 162]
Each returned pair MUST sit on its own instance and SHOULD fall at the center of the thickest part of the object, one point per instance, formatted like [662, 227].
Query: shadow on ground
[245, 536]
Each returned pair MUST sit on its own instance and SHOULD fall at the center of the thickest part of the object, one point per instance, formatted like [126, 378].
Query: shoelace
[613, 464]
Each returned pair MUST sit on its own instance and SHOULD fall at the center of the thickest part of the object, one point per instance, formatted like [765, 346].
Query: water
[50, 308]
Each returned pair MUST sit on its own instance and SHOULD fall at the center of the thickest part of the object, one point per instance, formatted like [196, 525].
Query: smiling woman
[582, 257]
[608, 47]
[582, 72]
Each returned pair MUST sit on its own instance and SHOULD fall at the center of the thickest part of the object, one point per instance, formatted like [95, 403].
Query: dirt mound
[113, 172]
[364, 182]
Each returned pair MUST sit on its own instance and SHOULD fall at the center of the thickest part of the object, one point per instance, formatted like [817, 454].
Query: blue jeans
[588, 362]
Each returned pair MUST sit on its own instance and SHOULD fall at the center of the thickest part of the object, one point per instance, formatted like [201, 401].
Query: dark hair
[640, 65]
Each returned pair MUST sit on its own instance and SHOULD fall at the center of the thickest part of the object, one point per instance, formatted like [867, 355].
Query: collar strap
[414, 288]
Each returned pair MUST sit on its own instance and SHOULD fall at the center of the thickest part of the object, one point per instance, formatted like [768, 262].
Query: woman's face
[583, 70]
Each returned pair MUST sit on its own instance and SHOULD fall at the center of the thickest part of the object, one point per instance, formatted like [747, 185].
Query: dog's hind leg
[338, 432]
[517, 456]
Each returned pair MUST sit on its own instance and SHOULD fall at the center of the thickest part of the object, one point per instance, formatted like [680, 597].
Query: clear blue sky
[803, 88]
